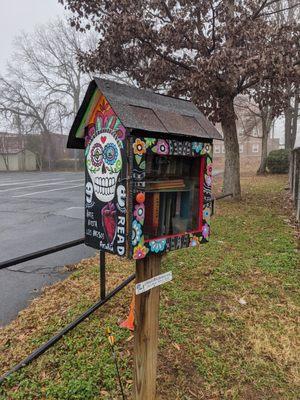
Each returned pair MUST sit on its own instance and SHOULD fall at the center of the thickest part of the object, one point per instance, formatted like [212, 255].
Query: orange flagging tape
[129, 322]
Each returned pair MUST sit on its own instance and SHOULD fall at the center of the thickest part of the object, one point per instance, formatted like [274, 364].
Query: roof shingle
[146, 110]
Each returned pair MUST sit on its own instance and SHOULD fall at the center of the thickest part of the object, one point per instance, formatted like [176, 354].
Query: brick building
[250, 147]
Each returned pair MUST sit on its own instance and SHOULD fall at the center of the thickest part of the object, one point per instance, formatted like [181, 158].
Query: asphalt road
[37, 210]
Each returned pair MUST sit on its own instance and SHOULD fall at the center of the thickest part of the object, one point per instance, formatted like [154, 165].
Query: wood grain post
[146, 331]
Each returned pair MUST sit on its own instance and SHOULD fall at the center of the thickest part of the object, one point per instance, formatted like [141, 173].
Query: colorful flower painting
[208, 180]
[206, 213]
[121, 132]
[205, 231]
[209, 169]
[150, 142]
[136, 232]
[139, 147]
[140, 251]
[110, 153]
[139, 212]
[206, 149]
[156, 246]
[197, 147]
[194, 241]
[161, 147]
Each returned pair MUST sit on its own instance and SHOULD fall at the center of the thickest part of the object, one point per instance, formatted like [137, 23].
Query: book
[165, 184]
[151, 224]
[162, 215]
[168, 217]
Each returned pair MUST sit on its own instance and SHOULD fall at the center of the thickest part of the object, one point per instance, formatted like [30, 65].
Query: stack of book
[166, 203]
[165, 185]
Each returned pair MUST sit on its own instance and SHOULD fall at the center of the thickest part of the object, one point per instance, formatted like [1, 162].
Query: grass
[228, 320]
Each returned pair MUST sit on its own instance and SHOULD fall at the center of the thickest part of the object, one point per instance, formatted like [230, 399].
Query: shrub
[278, 161]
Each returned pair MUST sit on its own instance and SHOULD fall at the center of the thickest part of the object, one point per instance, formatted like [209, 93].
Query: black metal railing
[44, 347]
[40, 253]
[103, 297]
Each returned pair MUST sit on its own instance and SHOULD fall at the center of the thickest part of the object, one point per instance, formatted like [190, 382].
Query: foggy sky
[18, 15]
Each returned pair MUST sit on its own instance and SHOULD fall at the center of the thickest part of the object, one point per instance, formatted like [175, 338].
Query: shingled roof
[147, 111]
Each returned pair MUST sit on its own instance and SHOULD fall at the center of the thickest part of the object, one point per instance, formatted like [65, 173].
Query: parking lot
[38, 210]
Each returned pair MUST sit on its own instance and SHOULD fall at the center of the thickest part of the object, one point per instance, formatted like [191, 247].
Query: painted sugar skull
[104, 163]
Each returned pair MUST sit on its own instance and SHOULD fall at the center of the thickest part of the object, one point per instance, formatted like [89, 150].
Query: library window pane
[172, 204]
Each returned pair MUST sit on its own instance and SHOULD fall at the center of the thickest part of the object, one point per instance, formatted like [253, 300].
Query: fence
[295, 177]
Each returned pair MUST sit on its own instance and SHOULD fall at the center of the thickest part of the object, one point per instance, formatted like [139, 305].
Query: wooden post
[146, 331]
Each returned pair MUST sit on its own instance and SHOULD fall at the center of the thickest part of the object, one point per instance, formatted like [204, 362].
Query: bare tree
[4, 150]
[43, 84]
[38, 111]
[34, 143]
[50, 56]
[256, 119]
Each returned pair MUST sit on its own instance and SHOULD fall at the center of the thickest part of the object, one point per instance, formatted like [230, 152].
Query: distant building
[13, 154]
[23, 152]
[249, 147]
[249, 144]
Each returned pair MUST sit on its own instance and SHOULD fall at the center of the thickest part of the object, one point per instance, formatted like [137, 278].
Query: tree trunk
[264, 154]
[288, 114]
[293, 129]
[6, 161]
[294, 122]
[232, 155]
[48, 149]
[266, 117]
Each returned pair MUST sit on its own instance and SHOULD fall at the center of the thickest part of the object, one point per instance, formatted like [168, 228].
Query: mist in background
[24, 15]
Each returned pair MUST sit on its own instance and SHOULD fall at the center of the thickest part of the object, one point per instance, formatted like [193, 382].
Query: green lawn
[228, 321]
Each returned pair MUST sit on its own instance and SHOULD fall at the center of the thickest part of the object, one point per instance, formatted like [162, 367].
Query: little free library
[148, 171]
[148, 174]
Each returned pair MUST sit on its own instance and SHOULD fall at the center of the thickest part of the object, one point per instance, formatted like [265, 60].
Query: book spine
[155, 217]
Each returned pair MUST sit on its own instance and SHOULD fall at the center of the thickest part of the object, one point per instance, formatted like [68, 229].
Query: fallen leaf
[176, 346]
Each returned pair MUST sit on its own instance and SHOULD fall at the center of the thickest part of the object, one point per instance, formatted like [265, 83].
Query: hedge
[278, 161]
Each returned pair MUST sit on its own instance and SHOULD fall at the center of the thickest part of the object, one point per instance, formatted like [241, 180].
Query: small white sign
[153, 282]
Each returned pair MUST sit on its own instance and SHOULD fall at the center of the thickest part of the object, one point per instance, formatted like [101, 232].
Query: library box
[148, 170]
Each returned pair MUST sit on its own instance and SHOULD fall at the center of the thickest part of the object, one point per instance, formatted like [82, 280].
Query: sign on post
[143, 287]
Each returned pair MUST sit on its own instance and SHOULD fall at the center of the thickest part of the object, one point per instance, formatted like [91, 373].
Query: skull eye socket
[110, 154]
[97, 155]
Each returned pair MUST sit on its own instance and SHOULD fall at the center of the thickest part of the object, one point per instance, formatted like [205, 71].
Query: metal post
[102, 275]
